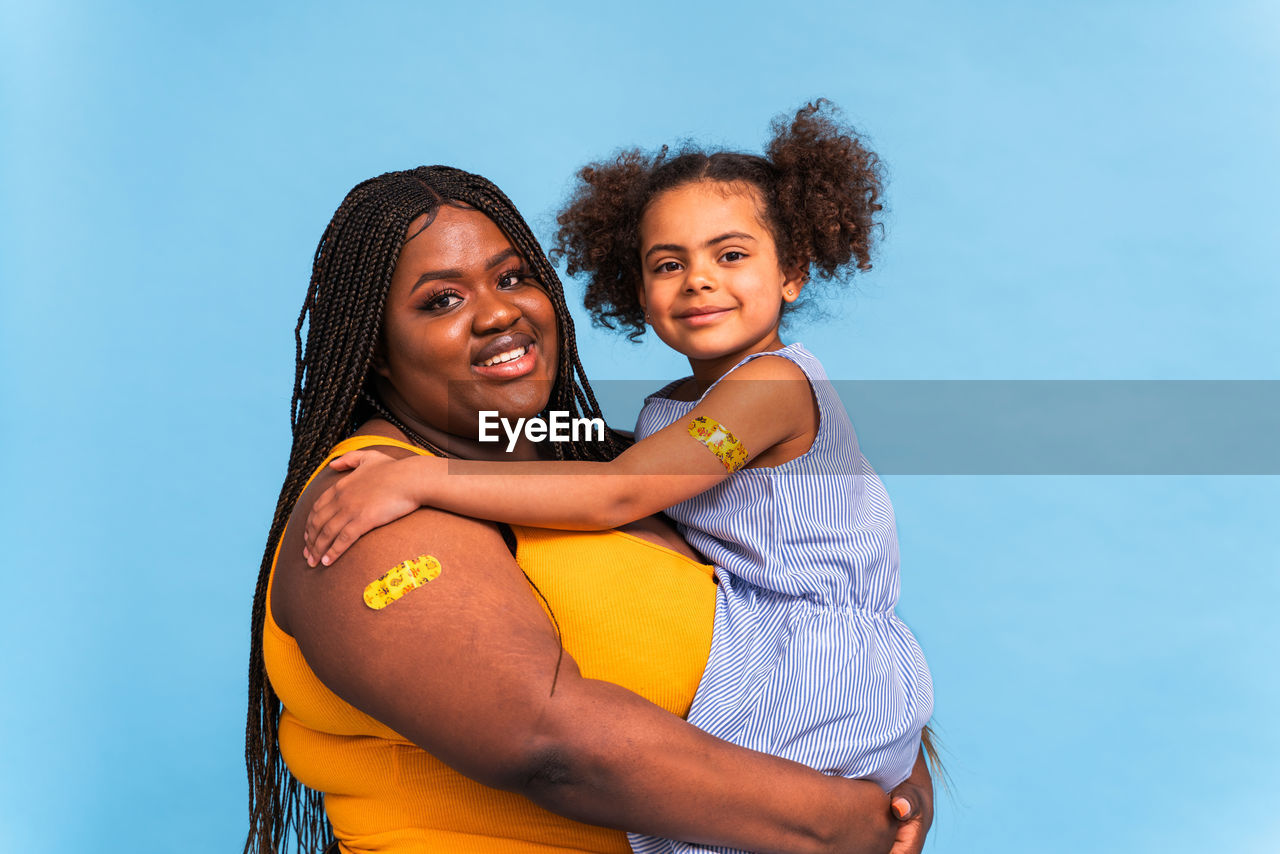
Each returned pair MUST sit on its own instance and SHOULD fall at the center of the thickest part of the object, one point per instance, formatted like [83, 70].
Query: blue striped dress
[808, 660]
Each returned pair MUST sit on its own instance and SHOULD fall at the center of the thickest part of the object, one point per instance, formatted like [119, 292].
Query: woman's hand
[870, 822]
[912, 804]
[378, 490]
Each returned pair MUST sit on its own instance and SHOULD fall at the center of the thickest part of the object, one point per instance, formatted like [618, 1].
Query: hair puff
[820, 186]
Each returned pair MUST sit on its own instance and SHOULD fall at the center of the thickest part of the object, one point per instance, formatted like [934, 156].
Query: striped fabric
[808, 660]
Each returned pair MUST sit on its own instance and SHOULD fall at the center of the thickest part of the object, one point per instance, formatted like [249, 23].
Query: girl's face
[467, 327]
[713, 284]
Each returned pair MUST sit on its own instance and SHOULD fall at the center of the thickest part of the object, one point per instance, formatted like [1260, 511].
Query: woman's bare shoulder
[420, 532]
[465, 637]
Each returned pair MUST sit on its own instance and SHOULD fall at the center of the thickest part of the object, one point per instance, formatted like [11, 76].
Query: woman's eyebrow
[675, 247]
[495, 260]
[434, 275]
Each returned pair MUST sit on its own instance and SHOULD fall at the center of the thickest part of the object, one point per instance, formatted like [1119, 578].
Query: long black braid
[342, 315]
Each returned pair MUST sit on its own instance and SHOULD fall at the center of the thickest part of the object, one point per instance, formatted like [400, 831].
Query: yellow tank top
[630, 612]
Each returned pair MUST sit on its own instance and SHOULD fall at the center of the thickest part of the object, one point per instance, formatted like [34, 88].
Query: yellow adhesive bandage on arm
[399, 580]
[719, 441]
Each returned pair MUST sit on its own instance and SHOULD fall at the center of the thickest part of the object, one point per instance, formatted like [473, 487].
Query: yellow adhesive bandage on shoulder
[399, 580]
[720, 441]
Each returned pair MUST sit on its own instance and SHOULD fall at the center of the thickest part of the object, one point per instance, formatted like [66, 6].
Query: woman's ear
[380, 358]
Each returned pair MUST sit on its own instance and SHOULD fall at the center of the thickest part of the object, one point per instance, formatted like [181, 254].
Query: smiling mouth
[512, 363]
[508, 356]
[702, 316]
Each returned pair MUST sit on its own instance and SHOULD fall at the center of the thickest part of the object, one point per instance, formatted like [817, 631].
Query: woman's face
[467, 327]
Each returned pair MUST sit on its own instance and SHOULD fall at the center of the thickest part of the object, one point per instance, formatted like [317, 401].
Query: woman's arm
[764, 404]
[464, 667]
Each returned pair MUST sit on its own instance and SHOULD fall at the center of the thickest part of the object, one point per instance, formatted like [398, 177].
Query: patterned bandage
[399, 580]
[720, 441]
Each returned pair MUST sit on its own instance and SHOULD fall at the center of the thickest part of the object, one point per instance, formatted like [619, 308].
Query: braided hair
[342, 315]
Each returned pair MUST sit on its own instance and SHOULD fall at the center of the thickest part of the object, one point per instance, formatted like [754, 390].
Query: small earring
[647, 318]
[788, 291]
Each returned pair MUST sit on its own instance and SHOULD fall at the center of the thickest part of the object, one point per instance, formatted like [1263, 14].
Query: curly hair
[342, 315]
[819, 185]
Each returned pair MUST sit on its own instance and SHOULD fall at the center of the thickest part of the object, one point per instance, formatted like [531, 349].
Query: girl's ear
[793, 283]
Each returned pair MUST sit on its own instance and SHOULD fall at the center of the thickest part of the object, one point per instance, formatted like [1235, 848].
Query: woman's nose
[495, 309]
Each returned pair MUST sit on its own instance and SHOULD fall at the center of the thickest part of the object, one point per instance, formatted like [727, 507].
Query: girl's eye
[442, 300]
[667, 267]
[733, 255]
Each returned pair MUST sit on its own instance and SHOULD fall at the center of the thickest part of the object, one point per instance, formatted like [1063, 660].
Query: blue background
[1078, 191]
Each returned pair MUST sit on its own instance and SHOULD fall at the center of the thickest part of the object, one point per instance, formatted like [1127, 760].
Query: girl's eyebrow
[728, 235]
[675, 247]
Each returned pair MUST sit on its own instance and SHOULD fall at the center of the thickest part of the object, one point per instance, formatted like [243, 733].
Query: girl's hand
[379, 489]
[352, 460]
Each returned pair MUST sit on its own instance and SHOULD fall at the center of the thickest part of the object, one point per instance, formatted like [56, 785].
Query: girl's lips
[705, 317]
[514, 369]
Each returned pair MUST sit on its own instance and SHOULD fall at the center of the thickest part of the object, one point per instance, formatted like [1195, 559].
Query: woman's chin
[510, 401]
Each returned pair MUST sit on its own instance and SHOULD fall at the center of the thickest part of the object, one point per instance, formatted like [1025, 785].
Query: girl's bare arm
[764, 411]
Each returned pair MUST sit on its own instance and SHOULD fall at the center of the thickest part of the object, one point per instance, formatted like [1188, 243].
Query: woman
[454, 718]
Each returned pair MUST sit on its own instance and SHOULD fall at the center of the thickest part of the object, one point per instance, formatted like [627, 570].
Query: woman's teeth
[504, 357]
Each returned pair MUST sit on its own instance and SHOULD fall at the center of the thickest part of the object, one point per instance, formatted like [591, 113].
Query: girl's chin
[709, 354]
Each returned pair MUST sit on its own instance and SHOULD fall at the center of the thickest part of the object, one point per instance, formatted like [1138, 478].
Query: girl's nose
[699, 279]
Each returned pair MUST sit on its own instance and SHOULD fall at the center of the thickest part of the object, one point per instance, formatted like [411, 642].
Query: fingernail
[901, 807]
[326, 560]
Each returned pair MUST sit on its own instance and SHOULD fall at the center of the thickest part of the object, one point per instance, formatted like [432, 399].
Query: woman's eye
[513, 278]
[442, 300]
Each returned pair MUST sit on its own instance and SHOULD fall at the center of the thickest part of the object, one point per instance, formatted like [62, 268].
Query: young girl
[753, 455]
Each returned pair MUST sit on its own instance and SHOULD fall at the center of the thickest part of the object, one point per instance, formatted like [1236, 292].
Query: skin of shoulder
[769, 397]
[465, 705]
[768, 406]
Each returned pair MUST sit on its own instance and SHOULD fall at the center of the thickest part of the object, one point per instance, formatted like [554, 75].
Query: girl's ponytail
[598, 236]
[827, 190]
